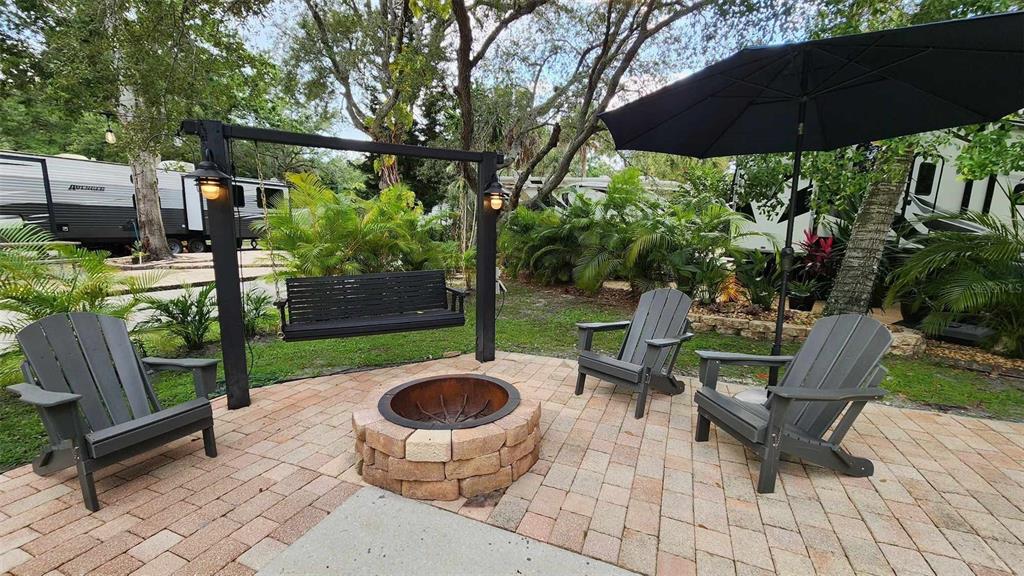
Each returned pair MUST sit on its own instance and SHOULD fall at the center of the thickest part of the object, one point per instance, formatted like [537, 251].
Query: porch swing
[362, 304]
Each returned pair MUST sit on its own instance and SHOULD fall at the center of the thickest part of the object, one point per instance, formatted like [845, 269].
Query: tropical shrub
[319, 232]
[959, 274]
[628, 234]
[39, 277]
[758, 275]
[188, 316]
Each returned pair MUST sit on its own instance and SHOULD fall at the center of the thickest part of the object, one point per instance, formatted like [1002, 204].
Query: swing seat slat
[364, 304]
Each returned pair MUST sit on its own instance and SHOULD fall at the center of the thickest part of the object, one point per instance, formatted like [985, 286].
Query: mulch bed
[975, 359]
[749, 312]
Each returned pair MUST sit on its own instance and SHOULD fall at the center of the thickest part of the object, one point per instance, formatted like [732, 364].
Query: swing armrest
[458, 301]
[281, 303]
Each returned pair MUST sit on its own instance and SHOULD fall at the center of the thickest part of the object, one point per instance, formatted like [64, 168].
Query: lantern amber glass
[211, 189]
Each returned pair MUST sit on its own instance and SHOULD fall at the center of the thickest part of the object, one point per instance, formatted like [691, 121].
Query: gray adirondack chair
[648, 351]
[836, 372]
[95, 400]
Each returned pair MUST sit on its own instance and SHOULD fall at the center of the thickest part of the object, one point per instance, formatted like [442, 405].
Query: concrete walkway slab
[377, 532]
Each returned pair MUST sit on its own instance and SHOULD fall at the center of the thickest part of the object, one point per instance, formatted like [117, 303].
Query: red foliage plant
[817, 262]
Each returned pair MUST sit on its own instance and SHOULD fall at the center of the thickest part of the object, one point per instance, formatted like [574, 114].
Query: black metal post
[225, 270]
[486, 259]
[787, 250]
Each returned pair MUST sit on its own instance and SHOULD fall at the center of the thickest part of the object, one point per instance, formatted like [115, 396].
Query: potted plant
[802, 294]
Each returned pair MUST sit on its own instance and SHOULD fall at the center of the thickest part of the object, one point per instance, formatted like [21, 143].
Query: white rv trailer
[933, 187]
[93, 202]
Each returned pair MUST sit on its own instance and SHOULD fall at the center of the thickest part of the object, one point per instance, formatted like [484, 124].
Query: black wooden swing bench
[363, 304]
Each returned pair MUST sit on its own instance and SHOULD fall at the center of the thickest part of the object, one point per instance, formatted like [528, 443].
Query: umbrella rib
[737, 117]
[866, 71]
[881, 72]
[849, 61]
[787, 95]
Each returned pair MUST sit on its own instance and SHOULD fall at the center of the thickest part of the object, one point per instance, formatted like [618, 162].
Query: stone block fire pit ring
[447, 436]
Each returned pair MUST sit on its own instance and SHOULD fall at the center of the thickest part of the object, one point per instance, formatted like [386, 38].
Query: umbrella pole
[787, 250]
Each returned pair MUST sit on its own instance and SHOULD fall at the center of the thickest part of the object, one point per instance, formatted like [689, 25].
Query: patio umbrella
[825, 94]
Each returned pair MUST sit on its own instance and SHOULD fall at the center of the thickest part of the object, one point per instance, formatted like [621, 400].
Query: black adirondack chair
[648, 351]
[362, 304]
[836, 372]
[95, 400]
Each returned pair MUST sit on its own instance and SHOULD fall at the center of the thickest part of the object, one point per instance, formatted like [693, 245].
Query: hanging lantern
[109, 135]
[495, 196]
[212, 183]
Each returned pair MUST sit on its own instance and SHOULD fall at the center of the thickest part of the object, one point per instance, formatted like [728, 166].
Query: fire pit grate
[449, 402]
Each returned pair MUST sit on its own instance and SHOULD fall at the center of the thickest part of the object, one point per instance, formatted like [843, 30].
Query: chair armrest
[587, 330]
[281, 302]
[711, 361]
[458, 291]
[842, 395]
[663, 342]
[603, 326]
[204, 371]
[59, 411]
[743, 359]
[36, 396]
[179, 363]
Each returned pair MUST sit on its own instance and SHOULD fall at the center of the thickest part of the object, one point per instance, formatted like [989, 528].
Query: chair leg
[579, 383]
[703, 431]
[85, 480]
[209, 442]
[641, 400]
[769, 470]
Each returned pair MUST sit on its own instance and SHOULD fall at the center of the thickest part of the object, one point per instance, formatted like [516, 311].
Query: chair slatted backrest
[841, 352]
[91, 355]
[362, 295]
[661, 313]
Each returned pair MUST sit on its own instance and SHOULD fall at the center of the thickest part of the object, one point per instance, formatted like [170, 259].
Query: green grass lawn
[532, 320]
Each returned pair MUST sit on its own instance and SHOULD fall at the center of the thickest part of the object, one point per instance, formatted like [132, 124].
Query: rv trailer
[933, 187]
[93, 202]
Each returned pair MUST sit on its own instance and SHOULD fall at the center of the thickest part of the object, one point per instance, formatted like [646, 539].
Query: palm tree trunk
[855, 282]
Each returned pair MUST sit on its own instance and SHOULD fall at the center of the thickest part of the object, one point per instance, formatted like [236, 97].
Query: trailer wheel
[197, 245]
[175, 245]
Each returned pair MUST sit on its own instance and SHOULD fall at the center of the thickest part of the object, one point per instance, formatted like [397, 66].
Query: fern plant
[188, 316]
[40, 276]
[257, 312]
[980, 275]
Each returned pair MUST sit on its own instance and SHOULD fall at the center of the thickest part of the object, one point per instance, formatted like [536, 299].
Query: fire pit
[441, 437]
[449, 402]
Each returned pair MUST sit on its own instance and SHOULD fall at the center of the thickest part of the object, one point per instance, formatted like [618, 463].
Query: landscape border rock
[905, 342]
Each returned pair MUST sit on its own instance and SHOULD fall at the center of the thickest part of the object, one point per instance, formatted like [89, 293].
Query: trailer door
[25, 191]
[193, 204]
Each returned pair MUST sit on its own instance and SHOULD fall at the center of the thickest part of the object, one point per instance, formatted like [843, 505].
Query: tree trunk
[855, 282]
[147, 206]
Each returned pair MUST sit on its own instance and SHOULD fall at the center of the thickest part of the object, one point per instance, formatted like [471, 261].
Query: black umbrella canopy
[855, 88]
[824, 94]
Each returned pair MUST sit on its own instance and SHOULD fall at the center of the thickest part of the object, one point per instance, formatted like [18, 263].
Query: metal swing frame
[214, 139]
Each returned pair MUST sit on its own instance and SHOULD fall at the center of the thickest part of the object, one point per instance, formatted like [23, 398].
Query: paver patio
[947, 496]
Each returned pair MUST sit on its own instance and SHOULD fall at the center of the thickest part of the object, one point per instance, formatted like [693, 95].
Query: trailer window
[925, 179]
[238, 195]
[268, 197]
